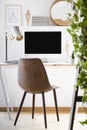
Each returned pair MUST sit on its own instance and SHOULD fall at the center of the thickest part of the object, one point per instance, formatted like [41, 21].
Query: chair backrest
[32, 76]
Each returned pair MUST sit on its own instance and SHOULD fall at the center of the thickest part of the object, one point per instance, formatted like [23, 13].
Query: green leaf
[83, 122]
[78, 32]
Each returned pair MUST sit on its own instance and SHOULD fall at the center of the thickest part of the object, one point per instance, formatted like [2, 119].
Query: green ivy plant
[78, 32]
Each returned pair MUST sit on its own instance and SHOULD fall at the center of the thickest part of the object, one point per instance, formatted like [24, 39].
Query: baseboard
[39, 109]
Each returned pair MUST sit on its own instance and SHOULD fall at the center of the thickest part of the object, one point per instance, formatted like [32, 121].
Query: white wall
[37, 8]
[16, 48]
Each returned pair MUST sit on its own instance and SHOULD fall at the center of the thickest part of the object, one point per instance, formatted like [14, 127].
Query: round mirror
[59, 12]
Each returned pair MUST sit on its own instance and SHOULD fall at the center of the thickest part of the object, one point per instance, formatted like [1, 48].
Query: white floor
[26, 123]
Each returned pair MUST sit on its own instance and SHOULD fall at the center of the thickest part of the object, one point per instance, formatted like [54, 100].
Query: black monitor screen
[43, 42]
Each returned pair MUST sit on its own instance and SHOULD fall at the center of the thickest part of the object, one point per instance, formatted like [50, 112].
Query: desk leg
[5, 95]
[73, 108]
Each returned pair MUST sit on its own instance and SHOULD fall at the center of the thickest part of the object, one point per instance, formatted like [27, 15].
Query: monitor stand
[44, 60]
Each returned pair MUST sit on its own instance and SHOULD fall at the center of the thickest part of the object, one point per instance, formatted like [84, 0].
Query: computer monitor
[44, 44]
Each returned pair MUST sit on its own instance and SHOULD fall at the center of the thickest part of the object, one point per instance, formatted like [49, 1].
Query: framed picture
[13, 15]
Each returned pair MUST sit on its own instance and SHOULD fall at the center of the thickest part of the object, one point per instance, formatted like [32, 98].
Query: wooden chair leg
[44, 110]
[33, 106]
[56, 106]
[21, 104]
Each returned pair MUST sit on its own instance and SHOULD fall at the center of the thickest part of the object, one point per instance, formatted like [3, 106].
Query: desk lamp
[18, 33]
[18, 38]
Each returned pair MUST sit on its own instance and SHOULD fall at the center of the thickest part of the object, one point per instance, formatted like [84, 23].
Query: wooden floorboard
[39, 109]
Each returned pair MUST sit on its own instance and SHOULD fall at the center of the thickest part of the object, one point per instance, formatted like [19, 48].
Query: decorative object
[67, 47]
[78, 32]
[59, 11]
[27, 16]
[13, 15]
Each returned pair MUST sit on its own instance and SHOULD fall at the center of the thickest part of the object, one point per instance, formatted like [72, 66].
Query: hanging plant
[78, 32]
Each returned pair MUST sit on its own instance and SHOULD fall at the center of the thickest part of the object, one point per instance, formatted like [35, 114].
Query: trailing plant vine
[78, 32]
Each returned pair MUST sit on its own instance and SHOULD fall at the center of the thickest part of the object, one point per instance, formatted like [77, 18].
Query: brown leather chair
[32, 77]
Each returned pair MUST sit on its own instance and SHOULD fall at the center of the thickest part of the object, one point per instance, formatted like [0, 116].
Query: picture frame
[13, 15]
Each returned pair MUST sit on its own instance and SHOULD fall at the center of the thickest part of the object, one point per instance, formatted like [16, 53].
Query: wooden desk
[13, 64]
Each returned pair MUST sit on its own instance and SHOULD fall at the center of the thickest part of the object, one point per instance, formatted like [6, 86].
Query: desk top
[9, 63]
[59, 64]
[46, 64]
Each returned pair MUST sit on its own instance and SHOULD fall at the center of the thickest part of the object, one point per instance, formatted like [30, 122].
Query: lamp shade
[18, 33]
